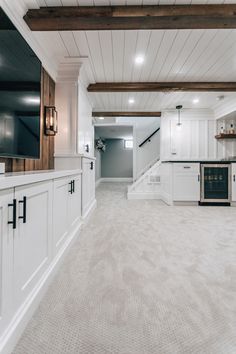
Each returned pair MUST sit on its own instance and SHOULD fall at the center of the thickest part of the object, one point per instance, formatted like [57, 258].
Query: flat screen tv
[20, 76]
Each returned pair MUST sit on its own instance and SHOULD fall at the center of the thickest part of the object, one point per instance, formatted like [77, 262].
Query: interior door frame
[134, 140]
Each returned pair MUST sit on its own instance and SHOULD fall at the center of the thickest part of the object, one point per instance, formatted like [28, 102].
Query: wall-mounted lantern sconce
[50, 120]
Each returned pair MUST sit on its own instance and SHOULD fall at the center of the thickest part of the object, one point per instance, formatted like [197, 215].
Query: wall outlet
[2, 168]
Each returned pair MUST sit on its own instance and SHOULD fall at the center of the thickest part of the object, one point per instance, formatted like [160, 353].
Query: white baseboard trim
[166, 198]
[98, 182]
[185, 203]
[143, 195]
[87, 214]
[18, 324]
[116, 179]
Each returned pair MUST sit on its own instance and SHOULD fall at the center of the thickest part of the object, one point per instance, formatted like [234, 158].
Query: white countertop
[11, 180]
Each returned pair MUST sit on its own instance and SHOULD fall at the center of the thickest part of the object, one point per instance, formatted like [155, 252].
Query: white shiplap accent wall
[194, 140]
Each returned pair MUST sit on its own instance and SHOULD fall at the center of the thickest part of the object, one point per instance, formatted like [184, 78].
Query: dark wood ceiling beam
[162, 87]
[126, 114]
[73, 18]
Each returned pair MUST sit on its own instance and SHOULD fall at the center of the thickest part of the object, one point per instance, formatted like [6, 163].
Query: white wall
[151, 150]
[194, 139]
[85, 126]
[75, 129]
[142, 128]
[66, 103]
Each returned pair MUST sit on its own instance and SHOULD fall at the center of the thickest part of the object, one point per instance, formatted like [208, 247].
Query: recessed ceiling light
[139, 59]
[196, 100]
[131, 101]
[101, 118]
[32, 100]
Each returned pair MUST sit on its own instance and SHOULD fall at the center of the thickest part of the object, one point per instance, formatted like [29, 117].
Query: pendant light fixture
[178, 109]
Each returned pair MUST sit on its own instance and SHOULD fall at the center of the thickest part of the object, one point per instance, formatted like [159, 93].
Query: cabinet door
[186, 182]
[233, 182]
[32, 251]
[74, 203]
[88, 184]
[62, 192]
[6, 255]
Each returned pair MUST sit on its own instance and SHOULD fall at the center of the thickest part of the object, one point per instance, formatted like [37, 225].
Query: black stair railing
[149, 138]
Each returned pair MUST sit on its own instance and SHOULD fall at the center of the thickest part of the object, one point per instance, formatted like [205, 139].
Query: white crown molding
[69, 70]
[15, 10]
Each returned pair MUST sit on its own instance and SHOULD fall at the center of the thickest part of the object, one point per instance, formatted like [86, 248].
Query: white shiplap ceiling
[172, 55]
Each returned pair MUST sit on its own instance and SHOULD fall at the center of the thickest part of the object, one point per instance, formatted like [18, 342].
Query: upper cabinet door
[6, 255]
[32, 248]
[233, 182]
[74, 202]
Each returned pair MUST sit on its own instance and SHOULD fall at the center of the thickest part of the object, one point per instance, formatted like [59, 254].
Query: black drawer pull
[234, 178]
[13, 222]
[187, 167]
[91, 165]
[23, 217]
[71, 187]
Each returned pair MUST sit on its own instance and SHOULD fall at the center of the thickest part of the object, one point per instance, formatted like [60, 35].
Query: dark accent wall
[46, 161]
[116, 161]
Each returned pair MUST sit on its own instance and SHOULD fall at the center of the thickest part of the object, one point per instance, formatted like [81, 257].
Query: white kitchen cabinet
[6, 255]
[88, 184]
[32, 248]
[67, 209]
[233, 173]
[186, 182]
[39, 201]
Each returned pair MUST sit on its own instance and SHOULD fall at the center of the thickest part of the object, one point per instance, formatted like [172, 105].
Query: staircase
[148, 185]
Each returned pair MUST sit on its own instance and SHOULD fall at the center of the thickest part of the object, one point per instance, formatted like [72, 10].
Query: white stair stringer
[148, 186]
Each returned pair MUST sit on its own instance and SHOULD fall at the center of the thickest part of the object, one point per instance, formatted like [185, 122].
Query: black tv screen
[20, 86]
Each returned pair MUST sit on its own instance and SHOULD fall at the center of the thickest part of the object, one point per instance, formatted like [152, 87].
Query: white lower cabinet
[60, 213]
[67, 209]
[233, 185]
[186, 182]
[36, 220]
[7, 205]
[88, 184]
[32, 237]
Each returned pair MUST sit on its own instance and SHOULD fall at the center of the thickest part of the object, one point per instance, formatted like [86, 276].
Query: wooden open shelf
[226, 136]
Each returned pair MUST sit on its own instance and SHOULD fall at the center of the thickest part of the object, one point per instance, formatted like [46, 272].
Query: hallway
[142, 278]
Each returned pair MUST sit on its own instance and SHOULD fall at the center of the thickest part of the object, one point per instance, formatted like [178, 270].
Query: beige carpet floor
[142, 278]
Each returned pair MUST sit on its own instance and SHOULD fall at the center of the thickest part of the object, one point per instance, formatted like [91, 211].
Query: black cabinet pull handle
[71, 187]
[91, 165]
[234, 178]
[13, 222]
[23, 217]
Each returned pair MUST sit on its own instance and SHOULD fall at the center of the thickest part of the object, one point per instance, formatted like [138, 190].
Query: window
[128, 144]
